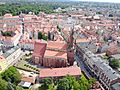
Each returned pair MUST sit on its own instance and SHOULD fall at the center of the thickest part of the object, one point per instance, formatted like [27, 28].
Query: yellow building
[3, 64]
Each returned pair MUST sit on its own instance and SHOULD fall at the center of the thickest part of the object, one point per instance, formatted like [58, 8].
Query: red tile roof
[112, 51]
[39, 49]
[56, 54]
[28, 79]
[59, 72]
[57, 45]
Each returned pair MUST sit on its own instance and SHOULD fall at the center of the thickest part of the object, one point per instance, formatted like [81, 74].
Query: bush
[34, 68]
[27, 65]
[8, 33]
[37, 70]
[114, 63]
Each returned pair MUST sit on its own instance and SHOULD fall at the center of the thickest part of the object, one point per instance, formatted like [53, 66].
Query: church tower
[70, 48]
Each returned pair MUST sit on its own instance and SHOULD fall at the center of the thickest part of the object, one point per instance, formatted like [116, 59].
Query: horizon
[103, 1]
[108, 1]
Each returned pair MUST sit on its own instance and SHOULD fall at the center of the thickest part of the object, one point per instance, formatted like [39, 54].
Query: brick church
[54, 54]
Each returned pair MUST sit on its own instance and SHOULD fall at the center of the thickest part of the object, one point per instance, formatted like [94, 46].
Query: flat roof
[59, 72]
[116, 56]
[116, 86]
[24, 84]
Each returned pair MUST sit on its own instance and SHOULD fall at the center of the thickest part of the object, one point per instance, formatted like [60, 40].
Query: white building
[12, 55]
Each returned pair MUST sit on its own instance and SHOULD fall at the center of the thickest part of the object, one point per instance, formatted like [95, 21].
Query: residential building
[11, 56]
[102, 71]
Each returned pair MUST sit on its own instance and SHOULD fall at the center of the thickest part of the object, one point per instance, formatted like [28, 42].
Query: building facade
[99, 69]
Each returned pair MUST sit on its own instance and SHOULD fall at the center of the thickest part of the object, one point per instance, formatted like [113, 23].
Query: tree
[91, 82]
[59, 29]
[12, 75]
[114, 63]
[51, 87]
[44, 37]
[71, 80]
[47, 82]
[39, 35]
[84, 84]
[7, 33]
[69, 83]
[76, 86]
[63, 84]
[19, 88]
[3, 85]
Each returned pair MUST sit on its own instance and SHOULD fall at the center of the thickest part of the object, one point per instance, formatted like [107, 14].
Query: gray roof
[116, 86]
[116, 56]
[92, 47]
[106, 69]
[9, 52]
[109, 72]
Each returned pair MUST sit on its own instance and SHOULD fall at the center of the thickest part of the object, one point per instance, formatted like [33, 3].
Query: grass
[24, 64]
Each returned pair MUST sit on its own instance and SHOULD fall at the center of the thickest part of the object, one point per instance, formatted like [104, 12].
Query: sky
[116, 1]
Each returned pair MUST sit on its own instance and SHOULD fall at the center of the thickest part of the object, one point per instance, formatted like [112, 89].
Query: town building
[98, 68]
[3, 64]
[9, 23]
[51, 54]
[27, 81]
[10, 57]
[60, 72]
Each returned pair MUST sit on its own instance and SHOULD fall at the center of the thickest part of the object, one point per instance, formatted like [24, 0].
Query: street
[82, 66]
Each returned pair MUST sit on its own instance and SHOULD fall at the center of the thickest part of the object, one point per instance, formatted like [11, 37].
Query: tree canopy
[16, 9]
[3, 85]
[7, 33]
[11, 75]
[42, 36]
[68, 83]
[114, 63]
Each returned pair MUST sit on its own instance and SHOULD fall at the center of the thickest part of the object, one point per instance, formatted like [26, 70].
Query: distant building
[10, 23]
